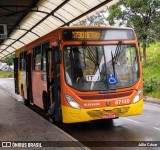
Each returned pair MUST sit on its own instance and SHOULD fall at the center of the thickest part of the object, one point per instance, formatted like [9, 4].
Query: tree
[96, 19]
[8, 60]
[142, 15]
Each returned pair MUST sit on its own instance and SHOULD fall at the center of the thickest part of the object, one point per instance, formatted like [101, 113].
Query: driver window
[37, 58]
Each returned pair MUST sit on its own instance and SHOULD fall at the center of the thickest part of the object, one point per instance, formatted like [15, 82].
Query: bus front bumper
[71, 115]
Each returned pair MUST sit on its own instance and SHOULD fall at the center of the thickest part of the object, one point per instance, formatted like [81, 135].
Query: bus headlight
[72, 102]
[138, 96]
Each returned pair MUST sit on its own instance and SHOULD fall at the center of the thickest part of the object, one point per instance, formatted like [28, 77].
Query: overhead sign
[98, 34]
[3, 31]
[86, 35]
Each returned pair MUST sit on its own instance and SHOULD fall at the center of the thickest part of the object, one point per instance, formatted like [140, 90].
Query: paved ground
[145, 127]
[19, 123]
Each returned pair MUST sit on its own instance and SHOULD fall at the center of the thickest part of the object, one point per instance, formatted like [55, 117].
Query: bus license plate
[108, 116]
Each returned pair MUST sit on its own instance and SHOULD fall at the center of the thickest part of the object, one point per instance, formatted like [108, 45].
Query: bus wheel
[25, 101]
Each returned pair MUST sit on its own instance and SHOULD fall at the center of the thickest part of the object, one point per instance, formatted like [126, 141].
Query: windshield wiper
[90, 54]
[116, 55]
[93, 58]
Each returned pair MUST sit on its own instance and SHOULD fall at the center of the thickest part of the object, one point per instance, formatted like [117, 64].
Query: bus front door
[53, 82]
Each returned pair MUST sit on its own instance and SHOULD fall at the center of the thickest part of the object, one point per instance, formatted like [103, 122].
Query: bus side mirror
[57, 55]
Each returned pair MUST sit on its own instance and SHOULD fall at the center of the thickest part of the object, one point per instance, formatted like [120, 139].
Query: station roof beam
[32, 19]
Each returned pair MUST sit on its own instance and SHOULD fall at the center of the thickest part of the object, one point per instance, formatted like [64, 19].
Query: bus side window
[44, 47]
[37, 58]
[23, 60]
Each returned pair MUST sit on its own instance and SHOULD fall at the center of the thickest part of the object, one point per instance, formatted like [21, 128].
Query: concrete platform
[19, 123]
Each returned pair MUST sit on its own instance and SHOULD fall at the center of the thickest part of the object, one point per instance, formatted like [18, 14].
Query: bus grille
[107, 96]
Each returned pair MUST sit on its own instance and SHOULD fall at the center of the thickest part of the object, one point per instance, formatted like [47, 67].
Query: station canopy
[31, 19]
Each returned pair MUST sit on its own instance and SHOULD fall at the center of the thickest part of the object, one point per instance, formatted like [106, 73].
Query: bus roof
[95, 27]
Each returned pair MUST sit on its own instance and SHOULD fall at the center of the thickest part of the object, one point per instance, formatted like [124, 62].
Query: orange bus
[79, 74]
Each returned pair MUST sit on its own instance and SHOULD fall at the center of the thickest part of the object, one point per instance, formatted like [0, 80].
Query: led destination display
[98, 34]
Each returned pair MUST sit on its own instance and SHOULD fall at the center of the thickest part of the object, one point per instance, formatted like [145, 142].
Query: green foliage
[96, 19]
[8, 60]
[150, 84]
[151, 71]
[142, 15]
[6, 74]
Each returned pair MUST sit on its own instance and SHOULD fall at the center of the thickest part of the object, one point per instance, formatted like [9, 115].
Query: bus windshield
[101, 67]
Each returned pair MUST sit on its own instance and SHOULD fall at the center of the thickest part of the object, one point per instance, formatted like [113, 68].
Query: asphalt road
[145, 127]
[142, 128]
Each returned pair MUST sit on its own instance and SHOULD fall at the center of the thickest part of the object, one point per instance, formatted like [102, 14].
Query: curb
[152, 100]
[79, 144]
[74, 143]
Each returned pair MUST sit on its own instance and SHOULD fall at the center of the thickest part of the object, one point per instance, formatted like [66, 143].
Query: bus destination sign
[81, 35]
[98, 34]
[86, 35]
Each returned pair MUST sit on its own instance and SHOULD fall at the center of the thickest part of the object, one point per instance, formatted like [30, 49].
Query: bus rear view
[102, 74]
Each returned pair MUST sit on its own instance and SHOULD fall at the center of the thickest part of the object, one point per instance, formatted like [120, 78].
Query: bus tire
[25, 101]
